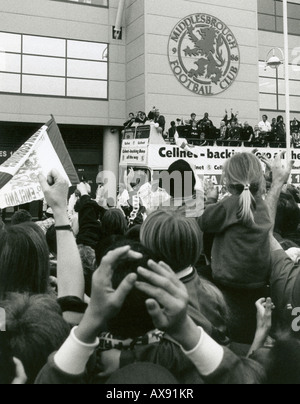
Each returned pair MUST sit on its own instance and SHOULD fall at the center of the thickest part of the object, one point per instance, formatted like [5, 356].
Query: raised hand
[168, 303]
[104, 299]
[264, 315]
[55, 189]
[169, 298]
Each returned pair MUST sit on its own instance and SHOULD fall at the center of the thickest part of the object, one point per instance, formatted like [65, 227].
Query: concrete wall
[135, 56]
[72, 21]
[139, 71]
[162, 88]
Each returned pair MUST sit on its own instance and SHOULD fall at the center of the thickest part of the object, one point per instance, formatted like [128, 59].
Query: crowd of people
[230, 132]
[199, 290]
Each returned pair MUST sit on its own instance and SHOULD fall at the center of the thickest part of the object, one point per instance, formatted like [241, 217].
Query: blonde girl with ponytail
[243, 176]
[241, 225]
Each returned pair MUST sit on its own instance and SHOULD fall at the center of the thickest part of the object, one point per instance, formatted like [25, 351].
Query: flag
[41, 153]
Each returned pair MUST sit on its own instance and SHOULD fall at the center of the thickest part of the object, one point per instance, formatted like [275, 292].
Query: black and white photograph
[149, 195]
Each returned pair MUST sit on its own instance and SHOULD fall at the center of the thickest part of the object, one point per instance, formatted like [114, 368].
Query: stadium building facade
[181, 56]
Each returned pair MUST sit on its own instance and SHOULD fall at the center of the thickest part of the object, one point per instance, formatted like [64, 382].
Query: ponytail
[247, 205]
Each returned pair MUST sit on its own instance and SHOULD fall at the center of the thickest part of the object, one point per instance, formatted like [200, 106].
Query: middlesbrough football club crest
[204, 54]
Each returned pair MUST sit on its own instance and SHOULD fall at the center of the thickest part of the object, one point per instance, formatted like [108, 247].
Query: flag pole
[287, 77]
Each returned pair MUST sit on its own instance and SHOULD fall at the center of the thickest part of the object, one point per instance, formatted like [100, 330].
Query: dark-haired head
[179, 181]
[114, 223]
[285, 362]
[134, 233]
[35, 329]
[24, 258]
[288, 215]
[21, 216]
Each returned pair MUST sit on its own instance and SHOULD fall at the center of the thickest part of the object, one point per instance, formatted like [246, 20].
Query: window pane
[87, 88]
[294, 87]
[293, 9]
[10, 63]
[44, 46]
[294, 103]
[43, 85]
[294, 71]
[44, 65]
[87, 50]
[91, 70]
[10, 83]
[294, 26]
[267, 101]
[267, 85]
[10, 42]
[266, 6]
[266, 22]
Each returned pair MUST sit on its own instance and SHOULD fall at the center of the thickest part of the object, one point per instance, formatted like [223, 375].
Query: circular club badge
[204, 54]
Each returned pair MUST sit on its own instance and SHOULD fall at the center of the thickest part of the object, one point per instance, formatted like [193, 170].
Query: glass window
[43, 85]
[294, 71]
[266, 22]
[87, 50]
[10, 62]
[268, 101]
[91, 70]
[274, 9]
[293, 9]
[267, 85]
[294, 87]
[44, 65]
[294, 103]
[10, 83]
[37, 45]
[10, 42]
[266, 6]
[87, 88]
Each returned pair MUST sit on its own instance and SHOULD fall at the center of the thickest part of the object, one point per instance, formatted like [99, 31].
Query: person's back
[240, 254]
[177, 240]
[241, 224]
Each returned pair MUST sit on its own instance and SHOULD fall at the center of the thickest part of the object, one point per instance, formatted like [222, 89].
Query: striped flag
[41, 153]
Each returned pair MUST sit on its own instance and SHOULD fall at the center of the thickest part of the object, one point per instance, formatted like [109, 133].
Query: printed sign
[204, 54]
[209, 161]
[135, 155]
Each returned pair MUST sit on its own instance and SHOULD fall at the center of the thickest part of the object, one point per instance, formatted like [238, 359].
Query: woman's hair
[21, 216]
[173, 238]
[288, 215]
[114, 223]
[24, 258]
[243, 175]
[35, 329]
